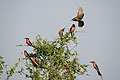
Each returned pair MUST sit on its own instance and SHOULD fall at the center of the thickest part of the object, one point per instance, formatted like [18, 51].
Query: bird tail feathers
[100, 74]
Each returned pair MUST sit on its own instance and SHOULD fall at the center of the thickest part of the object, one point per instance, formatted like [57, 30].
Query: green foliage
[2, 65]
[11, 71]
[53, 56]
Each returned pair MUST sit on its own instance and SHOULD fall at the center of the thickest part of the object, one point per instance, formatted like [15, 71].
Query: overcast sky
[100, 42]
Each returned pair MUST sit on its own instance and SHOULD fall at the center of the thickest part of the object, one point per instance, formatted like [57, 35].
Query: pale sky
[100, 42]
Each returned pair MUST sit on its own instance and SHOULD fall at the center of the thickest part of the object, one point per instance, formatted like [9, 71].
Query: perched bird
[25, 53]
[28, 42]
[72, 29]
[61, 32]
[96, 67]
[35, 61]
[79, 17]
[66, 67]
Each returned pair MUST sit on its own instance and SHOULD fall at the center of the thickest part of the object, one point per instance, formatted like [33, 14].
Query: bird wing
[99, 73]
[96, 67]
[80, 13]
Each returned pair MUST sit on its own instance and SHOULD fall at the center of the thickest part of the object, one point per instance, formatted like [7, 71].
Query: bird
[35, 61]
[97, 69]
[66, 67]
[61, 32]
[72, 29]
[79, 17]
[32, 61]
[28, 42]
[26, 54]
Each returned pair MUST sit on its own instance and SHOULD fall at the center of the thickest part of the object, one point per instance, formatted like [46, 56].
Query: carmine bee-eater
[66, 67]
[96, 67]
[25, 53]
[61, 32]
[28, 42]
[72, 29]
[79, 17]
[32, 61]
[35, 61]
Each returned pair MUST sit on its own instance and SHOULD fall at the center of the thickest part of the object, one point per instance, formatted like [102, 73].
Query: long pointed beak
[90, 61]
[26, 38]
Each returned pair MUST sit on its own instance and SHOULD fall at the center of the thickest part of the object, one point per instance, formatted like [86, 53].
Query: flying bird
[28, 42]
[72, 29]
[61, 32]
[25, 53]
[79, 17]
[96, 67]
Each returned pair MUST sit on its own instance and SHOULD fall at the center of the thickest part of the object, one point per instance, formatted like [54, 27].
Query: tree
[52, 60]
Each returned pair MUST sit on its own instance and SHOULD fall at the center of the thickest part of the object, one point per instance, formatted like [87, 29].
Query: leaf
[1, 71]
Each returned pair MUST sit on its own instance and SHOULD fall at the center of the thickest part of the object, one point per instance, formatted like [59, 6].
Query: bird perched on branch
[97, 69]
[72, 29]
[28, 42]
[61, 32]
[66, 67]
[79, 17]
[36, 63]
[26, 54]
